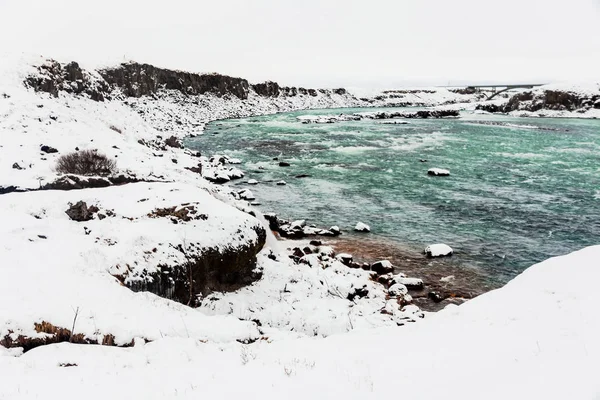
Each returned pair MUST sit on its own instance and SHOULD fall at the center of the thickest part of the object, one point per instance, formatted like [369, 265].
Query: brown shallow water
[467, 283]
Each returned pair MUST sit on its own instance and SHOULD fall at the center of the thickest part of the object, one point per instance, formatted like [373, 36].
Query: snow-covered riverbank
[69, 280]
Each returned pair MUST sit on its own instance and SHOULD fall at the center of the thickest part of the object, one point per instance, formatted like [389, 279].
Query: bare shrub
[85, 162]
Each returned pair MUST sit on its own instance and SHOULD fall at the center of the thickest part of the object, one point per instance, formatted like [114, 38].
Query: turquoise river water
[520, 190]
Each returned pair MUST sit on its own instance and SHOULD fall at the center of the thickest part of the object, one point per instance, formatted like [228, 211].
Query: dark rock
[358, 292]
[297, 252]
[303, 176]
[9, 189]
[173, 142]
[382, 267]
[316, 243]
[136, 80]
[17, 166]
[81, 212]
[48, 149]
[174, 160]
[214, 270]
[267, 89]
[54, 77]
[307, 250]
[284, 164]
[436, 297]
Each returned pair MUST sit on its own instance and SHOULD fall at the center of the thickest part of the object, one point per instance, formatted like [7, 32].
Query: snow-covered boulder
[438, 172]
[281, 183]
[411, 283]
[382, 267]
[344, 258]
[438, 250]
[397, 289]
[362, 227]
[252, 182]
[246, 194]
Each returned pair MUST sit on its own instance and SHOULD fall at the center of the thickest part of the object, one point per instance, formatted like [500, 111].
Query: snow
[438, 250]
[511, 343]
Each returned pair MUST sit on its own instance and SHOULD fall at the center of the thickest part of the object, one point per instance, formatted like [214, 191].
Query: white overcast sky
[380, 43]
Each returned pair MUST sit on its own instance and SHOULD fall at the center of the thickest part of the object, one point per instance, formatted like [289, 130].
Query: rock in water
[335, 230]
[438, 250]
[246, 194]
[252, 182]
[438, 172]
[284, 164]
[281, 183]
[382, 267]
[360, 227]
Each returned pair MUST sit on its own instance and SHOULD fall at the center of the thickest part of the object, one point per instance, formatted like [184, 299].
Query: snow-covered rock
[397, 289]
[438, 172]
[252, 182]
[246, 194]
[362, 227]
[411, 283]
[281, 183]
[438, 250]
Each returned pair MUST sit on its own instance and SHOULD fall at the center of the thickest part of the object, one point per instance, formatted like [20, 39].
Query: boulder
[438, 172]
[397, 290]
[252, 182]
[438, 250]
[344, 258]
[246, 194]
[335, 230]
[284, 164]
[81, 212]
[410, 283]
[382, 267]
[281, 183]
[48, 149]
[361, 227]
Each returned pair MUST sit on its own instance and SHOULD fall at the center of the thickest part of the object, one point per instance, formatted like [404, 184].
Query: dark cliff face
[546, 100]
[267, 89]
[136, 80]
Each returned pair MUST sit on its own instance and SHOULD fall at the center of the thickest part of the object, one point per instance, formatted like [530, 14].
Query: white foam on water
[353, 149]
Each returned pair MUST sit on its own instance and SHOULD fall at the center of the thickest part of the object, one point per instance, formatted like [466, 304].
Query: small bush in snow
[85, 162]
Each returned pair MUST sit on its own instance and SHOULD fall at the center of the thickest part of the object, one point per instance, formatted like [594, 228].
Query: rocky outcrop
[556, 100]
[211, 270]
[53, 77]
[136, 80]
[267, 89]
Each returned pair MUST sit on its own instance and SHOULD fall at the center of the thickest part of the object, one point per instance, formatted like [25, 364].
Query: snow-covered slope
[534, 338]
